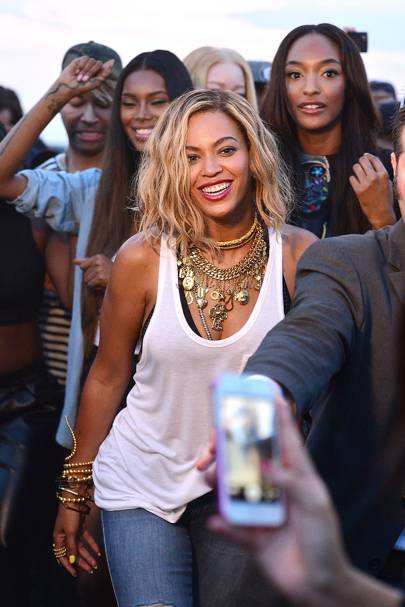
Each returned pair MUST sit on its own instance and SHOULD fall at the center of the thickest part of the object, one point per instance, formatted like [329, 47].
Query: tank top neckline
[172, 268]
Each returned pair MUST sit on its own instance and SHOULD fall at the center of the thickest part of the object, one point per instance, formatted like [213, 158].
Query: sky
[36, 33]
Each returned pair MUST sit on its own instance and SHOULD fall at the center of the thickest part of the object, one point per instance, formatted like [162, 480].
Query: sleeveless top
[148, 458]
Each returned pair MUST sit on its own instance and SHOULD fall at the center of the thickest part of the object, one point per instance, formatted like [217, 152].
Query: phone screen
[250, 443]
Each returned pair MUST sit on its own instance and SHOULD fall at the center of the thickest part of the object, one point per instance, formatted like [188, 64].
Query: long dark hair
[359, 122]
[113, 221]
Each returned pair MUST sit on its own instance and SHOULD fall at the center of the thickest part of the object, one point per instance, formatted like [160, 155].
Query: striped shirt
[54, 326]
[54, 318]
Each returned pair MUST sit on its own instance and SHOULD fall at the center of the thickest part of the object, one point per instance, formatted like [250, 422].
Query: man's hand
[304, 556]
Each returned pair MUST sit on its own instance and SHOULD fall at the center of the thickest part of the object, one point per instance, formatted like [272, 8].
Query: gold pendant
[218, 314]
[229, 303]
[189, 298]
[242, 297]
[188, 283]
[200, 297]
[182, 272]
[217, 295]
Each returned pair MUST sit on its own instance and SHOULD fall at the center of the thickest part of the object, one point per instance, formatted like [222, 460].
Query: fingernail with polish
[72, 559]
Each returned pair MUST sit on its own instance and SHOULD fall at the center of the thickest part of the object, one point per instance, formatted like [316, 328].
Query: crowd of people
[200, 222]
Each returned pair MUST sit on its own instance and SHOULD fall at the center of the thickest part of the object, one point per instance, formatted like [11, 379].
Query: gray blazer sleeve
[305, 350]
[58, 197]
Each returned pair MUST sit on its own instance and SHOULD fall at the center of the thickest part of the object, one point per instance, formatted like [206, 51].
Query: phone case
[240, 440]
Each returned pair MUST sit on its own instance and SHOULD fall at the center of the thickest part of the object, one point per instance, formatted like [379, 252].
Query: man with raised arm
[336, 356]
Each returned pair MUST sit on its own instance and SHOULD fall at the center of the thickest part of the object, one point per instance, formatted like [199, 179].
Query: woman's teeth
[219, 187]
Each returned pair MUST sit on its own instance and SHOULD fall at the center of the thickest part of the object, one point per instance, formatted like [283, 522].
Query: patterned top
[314, 209]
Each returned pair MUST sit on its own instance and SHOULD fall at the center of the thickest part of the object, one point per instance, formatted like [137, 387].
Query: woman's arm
[126, 303]
[80, 76]
[130, 296]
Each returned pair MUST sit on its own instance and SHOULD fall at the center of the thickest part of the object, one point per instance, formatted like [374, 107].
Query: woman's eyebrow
[162, 92]
[218, 142]
[323, 62]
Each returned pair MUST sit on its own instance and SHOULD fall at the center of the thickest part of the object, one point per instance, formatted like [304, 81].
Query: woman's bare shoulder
[296, 240]
[139, 252]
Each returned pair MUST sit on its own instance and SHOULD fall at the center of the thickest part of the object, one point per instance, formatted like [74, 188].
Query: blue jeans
[156, 563]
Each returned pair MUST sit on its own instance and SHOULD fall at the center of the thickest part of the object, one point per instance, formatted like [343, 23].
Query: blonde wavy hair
[200, 61]
[163, 183]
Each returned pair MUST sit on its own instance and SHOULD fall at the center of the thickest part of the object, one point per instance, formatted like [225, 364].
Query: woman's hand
[373, 188]
[81, 76]
[70, 532]
[208, 457]
[96, 270]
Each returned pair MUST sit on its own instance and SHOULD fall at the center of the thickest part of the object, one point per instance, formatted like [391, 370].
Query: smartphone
[247, 442]
[360, 39]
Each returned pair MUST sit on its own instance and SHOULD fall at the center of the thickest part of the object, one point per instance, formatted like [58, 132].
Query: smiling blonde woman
[197, 290]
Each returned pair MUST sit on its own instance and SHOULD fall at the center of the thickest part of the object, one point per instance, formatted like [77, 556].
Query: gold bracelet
[72, 500]
[77, 464]
[77, 471]
[74, 441]
[78, 479]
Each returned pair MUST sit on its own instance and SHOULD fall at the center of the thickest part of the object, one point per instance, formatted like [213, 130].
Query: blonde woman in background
[221, 69]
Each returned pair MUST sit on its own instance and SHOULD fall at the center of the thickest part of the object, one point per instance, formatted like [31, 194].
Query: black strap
[286, 297]
[187, 313]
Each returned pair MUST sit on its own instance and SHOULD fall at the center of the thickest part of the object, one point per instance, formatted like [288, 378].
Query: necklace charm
[201, 280]
[218, 314]
[188, 282]
[202, 302]
[242, 297]
[258, 283]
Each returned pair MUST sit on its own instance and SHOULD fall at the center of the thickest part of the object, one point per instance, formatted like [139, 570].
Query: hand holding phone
[246, 423]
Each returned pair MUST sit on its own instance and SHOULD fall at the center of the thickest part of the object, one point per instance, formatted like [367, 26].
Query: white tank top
[148, 458]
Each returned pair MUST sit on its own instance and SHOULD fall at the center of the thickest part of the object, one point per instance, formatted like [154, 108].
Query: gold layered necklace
[202, 281]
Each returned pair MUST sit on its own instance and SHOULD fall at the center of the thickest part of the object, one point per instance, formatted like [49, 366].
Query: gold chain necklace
[224, 286]
[238, 242]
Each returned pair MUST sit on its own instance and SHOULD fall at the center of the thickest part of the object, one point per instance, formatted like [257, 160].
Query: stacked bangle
[74, 487]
